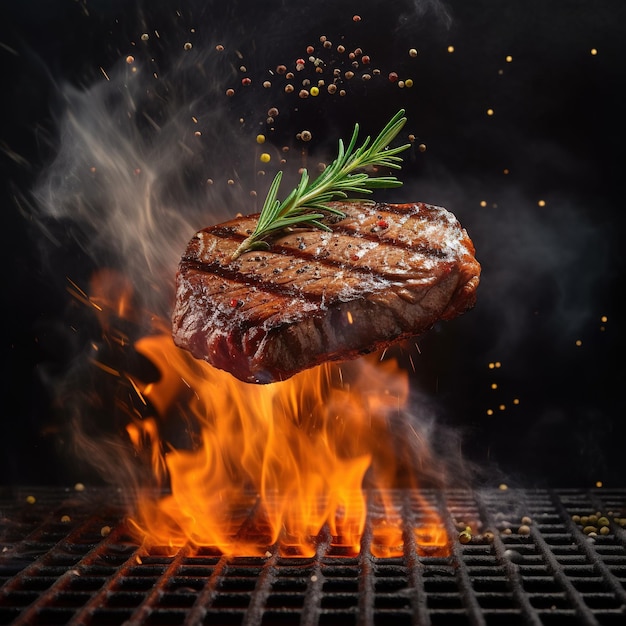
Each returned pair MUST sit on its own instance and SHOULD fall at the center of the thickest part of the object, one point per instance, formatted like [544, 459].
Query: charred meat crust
[385, 273]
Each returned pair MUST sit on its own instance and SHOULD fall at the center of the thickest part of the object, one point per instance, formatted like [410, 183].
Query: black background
[549, 272]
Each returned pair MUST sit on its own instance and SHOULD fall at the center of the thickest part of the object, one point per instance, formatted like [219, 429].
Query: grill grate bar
[313, 596]
[34, 570]
[581, 609]
[512, 571]
[466, 589]
[206, 596]
[421, 616]
[261, 592]
[366, 577]
[146, 607]
[591, 553]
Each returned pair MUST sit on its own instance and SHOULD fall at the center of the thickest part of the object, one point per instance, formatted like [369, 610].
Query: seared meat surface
[386, 272]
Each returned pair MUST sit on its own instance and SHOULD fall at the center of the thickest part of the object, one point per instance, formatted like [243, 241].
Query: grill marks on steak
[384, 273]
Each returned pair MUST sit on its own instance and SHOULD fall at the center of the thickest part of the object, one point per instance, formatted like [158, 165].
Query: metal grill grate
[60, 565]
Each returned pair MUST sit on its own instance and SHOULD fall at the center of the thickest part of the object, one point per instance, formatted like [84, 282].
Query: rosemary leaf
[340, 179]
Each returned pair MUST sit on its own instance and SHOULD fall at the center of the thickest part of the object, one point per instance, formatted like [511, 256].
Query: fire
[270, 465]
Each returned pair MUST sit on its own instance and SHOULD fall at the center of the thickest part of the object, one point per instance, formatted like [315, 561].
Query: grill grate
[60, 565]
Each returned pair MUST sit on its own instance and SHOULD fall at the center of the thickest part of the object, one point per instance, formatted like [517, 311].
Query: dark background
[550, 273]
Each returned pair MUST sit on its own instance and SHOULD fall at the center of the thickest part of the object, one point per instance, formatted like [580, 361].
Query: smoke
[130, 176]
[545, 259]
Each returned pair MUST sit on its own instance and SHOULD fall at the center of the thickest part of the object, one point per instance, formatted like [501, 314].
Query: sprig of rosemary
[306, 206]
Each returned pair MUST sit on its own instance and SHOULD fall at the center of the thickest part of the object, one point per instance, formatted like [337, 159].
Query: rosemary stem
[307, 205]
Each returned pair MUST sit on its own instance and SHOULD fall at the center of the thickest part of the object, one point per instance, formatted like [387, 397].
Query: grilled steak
[386, 272]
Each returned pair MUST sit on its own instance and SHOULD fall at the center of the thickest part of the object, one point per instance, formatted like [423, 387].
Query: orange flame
[273, 464]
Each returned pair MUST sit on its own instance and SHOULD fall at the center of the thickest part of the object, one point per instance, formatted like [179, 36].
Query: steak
[384, 273]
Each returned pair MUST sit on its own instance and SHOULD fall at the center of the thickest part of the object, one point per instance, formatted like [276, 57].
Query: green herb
[306, 206]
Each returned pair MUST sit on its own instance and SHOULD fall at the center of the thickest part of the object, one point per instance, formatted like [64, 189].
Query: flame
[267, 465]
